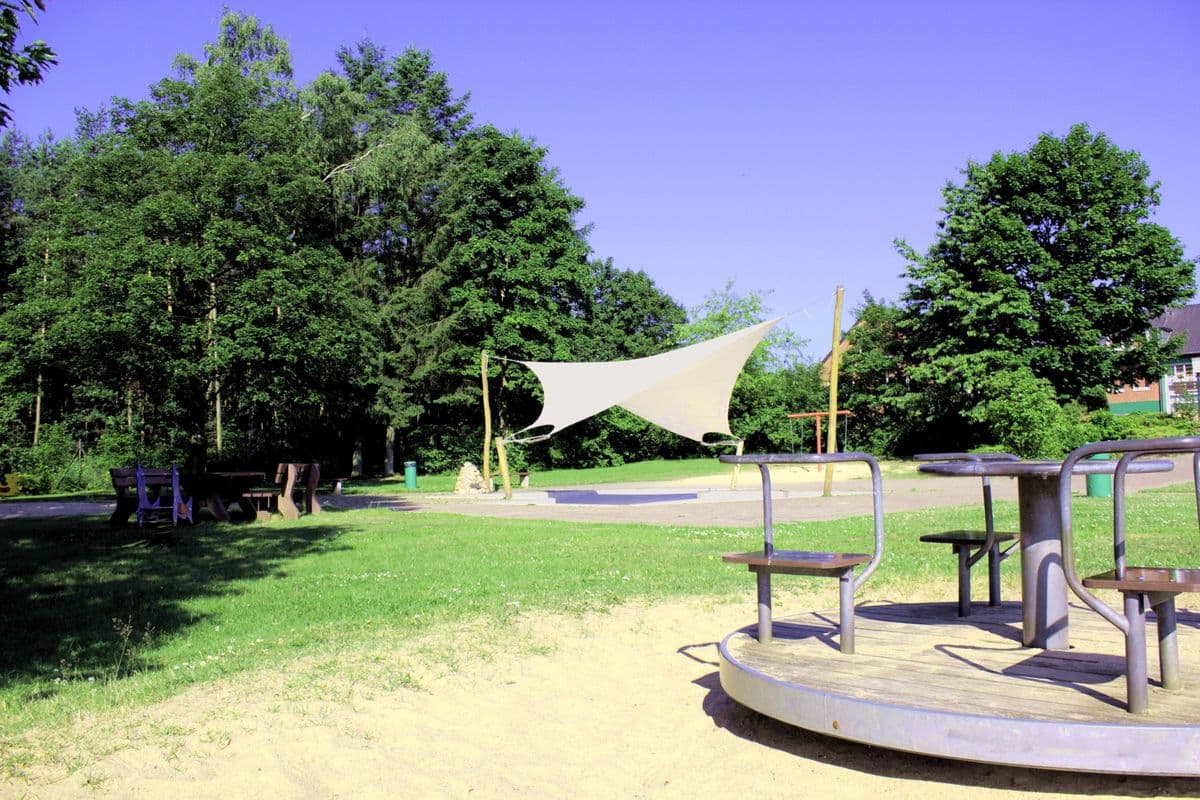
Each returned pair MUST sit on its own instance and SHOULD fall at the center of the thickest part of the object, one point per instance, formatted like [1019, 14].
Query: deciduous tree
[1046, 260]
[24, 65]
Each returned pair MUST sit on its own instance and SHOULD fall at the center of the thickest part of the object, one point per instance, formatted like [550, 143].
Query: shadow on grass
[68, 586]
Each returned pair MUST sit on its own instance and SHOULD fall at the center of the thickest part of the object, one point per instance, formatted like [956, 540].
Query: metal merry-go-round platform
[1044, 683]
[925, 680]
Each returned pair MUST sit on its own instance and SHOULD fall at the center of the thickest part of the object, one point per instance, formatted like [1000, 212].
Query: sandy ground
[624, 704]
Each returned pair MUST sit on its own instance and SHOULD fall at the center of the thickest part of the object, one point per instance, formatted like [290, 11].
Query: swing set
[818, 416]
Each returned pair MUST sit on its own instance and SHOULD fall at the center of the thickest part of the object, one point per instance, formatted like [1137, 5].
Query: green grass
[97, 618]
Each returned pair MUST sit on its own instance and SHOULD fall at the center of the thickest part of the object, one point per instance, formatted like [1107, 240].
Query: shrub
[1024, 418]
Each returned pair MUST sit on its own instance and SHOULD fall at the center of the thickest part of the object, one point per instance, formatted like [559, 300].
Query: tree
[182, 284]
[502, 268]
[26, 65]
[1046, 261]
[871, 377]
[773, 383]
[386, 127]
[629, 317]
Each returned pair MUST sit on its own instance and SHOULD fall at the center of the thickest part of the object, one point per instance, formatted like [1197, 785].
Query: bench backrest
[126, 477]
[305, 475]
[303, 472]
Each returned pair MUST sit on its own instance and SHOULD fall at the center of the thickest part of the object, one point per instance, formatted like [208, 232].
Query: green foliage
[58, 463]
[1022, 417]
[871, 379]
[237, 270]
[28, 64]
[1150, 426]
[1045, 261]
[774, 381]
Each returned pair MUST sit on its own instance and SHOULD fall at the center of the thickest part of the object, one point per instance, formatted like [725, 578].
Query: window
[1184, 371]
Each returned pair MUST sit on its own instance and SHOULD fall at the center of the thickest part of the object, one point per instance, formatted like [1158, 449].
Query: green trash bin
[410, 474]
[1100, 485]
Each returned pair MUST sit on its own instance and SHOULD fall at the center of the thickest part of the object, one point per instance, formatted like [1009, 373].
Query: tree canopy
[20, 65]
[1046, 262]
[237, 269]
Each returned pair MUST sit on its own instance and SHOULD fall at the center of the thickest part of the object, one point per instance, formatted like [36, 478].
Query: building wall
[1177, 387]
[1179, 384]
[1144, 397]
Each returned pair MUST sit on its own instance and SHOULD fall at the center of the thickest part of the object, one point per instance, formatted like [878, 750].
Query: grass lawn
[96, 618]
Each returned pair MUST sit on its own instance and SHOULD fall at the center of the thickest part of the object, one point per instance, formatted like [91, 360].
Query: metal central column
[1043, 586]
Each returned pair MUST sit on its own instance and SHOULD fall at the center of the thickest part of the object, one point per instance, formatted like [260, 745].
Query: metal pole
[1137, 681]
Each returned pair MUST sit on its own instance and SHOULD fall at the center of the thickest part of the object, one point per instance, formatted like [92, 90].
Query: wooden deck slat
[926, 681]
[913, 682]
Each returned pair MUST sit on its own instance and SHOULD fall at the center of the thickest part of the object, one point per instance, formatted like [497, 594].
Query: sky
[783, 146]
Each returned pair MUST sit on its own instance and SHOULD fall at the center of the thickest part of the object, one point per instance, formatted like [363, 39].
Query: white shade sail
[685, 391]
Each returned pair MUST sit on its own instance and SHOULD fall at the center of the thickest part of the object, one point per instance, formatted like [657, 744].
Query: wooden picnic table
[220, 489]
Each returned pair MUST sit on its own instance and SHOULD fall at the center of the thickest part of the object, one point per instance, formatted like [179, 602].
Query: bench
[804, 562]
[969, 546]
[1142, 588]
[290, 479]
[143, 490]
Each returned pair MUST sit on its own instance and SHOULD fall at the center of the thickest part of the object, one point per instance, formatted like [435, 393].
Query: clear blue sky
[781, 144]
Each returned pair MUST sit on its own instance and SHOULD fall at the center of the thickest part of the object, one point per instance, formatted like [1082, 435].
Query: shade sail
[685, 390]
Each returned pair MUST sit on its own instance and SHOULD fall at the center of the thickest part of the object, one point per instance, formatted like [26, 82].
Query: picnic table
[124, 480]
[1043, 585]
[220, 489]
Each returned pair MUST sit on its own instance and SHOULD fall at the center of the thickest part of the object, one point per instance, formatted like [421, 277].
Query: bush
[61, 462]
[1151, 426]
[1024, 418]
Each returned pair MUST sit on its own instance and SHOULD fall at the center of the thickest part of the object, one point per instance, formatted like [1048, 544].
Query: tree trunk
[356, 462]
[389, 444]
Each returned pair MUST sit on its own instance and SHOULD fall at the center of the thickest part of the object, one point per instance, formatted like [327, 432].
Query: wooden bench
[804, 562]
[290, 479]
[1141, 588]
[969, 546]
[143, 490]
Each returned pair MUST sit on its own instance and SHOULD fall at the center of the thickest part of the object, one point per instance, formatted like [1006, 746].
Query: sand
[623, 704]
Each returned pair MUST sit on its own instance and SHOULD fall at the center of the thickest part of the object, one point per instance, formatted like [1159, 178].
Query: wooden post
[502, 459]
[737, 467]
[389, 451]
[212, 342]
[486, 467]
[833, 388]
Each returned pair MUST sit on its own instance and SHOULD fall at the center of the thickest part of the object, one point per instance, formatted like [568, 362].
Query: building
[1177, 387]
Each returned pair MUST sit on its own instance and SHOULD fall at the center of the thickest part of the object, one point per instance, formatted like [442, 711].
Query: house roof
[1185, 321]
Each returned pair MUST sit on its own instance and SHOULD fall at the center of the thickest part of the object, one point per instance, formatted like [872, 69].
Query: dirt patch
[621, 704]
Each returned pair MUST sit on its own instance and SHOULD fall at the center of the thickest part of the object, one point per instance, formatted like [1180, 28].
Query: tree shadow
[74, 591]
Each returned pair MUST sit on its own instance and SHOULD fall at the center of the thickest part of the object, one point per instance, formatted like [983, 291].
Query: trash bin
[1100, 485]
[410, 474]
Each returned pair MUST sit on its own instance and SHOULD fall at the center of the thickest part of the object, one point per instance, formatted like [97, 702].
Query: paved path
[668, 503]
[720, 507]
